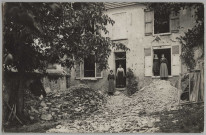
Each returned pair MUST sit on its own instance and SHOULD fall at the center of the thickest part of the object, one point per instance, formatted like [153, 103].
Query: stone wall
[57, 83]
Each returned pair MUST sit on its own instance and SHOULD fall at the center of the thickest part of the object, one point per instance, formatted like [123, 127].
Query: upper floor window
[161, 23]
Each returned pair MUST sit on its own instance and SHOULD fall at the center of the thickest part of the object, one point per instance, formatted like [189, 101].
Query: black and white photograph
[102, 67]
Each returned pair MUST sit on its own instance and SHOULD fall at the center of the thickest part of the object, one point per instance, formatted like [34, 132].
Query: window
[88, 69]
[172, 54]
[161, 22]
[89, 66]
[167, 53]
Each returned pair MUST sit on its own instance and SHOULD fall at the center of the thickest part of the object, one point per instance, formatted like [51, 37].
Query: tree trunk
[20, 95]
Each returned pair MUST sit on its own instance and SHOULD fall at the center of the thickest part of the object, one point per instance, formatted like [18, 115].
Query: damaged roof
[111, 5]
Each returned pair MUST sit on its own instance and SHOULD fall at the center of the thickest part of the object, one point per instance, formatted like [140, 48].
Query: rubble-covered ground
[152, 109]
[69, 104]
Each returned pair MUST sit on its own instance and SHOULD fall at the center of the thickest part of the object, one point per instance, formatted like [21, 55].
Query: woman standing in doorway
[120, 76]
[156, 66]
[163, 68]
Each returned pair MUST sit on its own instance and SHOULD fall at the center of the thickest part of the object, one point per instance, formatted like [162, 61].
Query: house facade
[136, 27]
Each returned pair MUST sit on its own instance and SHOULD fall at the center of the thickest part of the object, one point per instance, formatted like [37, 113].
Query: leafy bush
[132, 85]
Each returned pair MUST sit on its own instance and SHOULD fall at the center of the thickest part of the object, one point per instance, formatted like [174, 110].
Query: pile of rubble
[158, 96]
[127, 114]
[75, 102]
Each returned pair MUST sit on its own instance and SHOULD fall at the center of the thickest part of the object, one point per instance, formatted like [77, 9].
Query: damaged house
[137, 28]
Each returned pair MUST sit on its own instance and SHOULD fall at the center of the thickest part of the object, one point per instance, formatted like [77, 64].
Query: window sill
[116, 39]
[162, 34]
[89, 78]
[158, 77]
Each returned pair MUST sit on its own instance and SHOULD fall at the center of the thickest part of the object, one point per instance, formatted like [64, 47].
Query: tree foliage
[40, 33]
[193, 38]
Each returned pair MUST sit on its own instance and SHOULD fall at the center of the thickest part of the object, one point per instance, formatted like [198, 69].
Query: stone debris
[124, 114]
[119, 114]
[68, 104]
[158, 96]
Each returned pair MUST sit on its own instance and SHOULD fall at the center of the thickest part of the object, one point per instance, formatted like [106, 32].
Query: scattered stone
[41, 97]
[31, 117]
[120, 114]
[48, 90]
[43, 104]
[34, 110]
[175, 121]
[77, 101]
[46, 117]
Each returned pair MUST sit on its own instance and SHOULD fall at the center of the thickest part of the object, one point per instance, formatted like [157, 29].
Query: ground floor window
[156, 59]
[89, 66]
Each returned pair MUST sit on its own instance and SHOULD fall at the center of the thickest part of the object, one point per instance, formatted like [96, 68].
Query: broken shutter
[175, 60]
[78, 70]
[174, 22]
[149, 15]
[98, 71]
[148, 62]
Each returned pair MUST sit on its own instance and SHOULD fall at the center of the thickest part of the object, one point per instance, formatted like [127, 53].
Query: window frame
[164, 46]
[161, 34]
[88, 78]
[92, 70]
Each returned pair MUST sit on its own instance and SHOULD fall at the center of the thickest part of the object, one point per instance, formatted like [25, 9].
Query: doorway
[120, 59]
[167, 53]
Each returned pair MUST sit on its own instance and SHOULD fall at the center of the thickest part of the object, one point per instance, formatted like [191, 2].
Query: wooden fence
[193, 85]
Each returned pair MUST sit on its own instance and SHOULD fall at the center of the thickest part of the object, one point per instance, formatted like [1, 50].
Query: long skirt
[156, 68]
[163, 70]
[120, 79]
[111, 85]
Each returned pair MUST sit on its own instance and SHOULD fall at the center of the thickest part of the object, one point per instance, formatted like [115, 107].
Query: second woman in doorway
[156, 66]
[120, 76]
[163, 68]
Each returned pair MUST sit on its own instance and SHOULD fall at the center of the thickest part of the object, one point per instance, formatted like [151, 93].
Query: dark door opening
[120, 59]
[167, 53]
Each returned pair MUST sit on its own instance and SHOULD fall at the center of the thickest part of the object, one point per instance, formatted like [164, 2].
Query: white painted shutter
[174, 22]
[98, 71]
[149, 15]
[175, 60]
[148, 62]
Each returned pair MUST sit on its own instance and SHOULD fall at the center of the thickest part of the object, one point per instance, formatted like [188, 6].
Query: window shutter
[81, 69]
[148, 62]
[78, 70]
[98, 71]
[174, 22]
[175, 60]
[149, 15]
